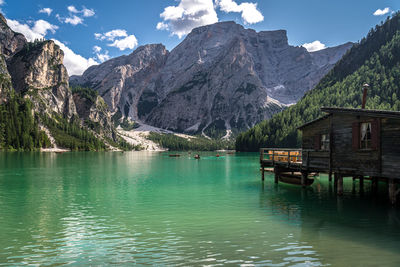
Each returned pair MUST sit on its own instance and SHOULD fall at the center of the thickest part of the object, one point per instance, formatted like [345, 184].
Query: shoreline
[55, 149]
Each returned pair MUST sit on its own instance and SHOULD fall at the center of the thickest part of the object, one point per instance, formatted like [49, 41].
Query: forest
[374, 60]
[176, 143]
[19, 127]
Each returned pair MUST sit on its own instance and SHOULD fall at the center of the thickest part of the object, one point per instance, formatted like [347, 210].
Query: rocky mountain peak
[221, 78]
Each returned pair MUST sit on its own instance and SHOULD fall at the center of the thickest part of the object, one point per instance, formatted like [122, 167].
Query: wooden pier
[287, 164]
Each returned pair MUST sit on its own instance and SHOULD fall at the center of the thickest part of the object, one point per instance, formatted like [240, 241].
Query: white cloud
[249, 11]
[119, 38]
[101, 56]
[381, 12]
[42, 27]
[72, 9]
[46, 10]
[125, 43]
[111, 35]
[88, 12]
[74, 20]
[96, 49]
[188, 14]
[85, 11]
[39, 29]
[314, 46]
[75, 64]
[162, 26]
[2, 2]
[76, 16]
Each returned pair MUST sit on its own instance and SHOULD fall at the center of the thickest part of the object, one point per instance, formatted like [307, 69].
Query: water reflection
[360, 222]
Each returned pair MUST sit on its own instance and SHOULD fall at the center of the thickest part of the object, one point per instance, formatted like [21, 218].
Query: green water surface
[148, 208]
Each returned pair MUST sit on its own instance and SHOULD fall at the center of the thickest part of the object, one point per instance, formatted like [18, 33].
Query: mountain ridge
[221, 78]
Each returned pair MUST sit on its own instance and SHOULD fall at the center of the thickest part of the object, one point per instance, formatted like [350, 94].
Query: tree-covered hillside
[374, 60]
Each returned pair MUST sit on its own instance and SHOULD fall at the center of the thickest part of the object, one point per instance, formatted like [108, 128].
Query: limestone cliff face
[38, 71]
[5, 80]
[10, 41]
[122, 81]
[220, 78]
[96, 114]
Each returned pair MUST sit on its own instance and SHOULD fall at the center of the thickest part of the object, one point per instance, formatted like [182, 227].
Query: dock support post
[374, 185]
[276, 171]
[361, 183]
[340, 185]
[262, 172]
[335, 179]
[304, 176]
[330, 176]
[392, 191]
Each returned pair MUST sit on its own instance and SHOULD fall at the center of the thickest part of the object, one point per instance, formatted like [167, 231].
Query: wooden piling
[392, 191]
[304, 176]
[262, 172]
[361, 183]
[340, 185]
[335, 179]
[374, 185]
[276, 175]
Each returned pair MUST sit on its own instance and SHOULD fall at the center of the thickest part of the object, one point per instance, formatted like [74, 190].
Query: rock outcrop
[38, 71]
[222, 78]
[10, 41]
[95, 113]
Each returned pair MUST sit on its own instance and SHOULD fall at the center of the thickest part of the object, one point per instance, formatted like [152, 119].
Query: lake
[103, 208]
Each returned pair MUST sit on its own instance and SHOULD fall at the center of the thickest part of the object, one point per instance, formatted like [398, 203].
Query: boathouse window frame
[325, 142]
[322, 142]
[366, 135]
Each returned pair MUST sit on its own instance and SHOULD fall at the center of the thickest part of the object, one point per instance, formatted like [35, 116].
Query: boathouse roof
[363, 112]
[313, 121]
[354, 111]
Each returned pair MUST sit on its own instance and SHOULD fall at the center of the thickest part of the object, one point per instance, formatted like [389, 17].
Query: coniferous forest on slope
[374, 60]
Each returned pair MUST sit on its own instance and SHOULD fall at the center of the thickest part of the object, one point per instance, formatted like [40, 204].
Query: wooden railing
[281, 155]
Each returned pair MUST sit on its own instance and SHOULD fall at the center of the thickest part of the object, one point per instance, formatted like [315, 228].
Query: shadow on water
[360, 216]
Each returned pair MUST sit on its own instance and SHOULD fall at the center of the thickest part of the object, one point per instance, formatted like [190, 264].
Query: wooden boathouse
[346, 142]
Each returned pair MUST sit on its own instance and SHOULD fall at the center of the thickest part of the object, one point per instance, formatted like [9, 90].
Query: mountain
[37, 107]
[221, 78]
[374, 60]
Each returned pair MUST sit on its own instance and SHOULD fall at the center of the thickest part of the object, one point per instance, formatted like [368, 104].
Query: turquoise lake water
[147, 208]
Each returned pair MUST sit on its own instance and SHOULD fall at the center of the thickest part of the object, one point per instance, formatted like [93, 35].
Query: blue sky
[92, 31]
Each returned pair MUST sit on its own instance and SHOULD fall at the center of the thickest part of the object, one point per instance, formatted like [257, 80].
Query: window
[325, 142]
[365, 135]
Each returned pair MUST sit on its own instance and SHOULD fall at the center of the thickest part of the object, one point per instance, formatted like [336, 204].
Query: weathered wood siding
[315, 159]
[344, 157]
[390, 145]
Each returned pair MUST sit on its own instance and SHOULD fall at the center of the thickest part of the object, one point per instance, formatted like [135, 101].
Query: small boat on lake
[197, 156]
[293, 179]
[174, 155]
